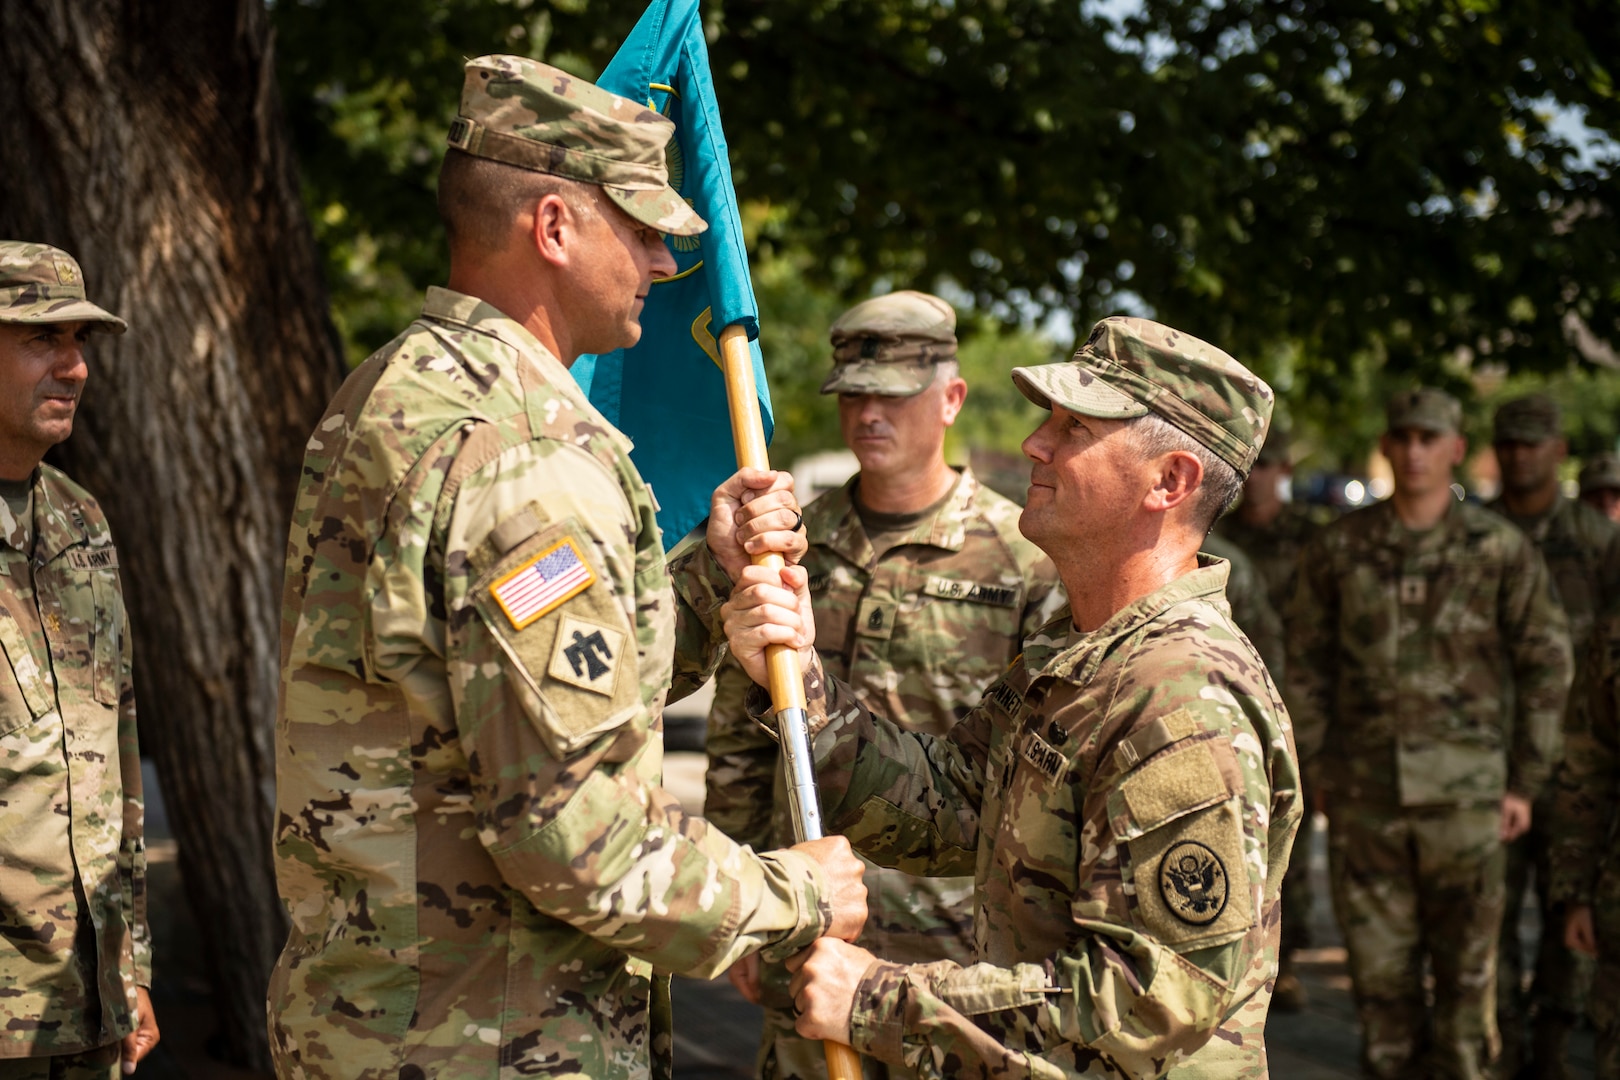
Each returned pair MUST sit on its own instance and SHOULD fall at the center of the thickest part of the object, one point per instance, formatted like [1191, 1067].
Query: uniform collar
[450, 308]
[834, 515]
[1536, 527]
[16, 532]
[1079, 655]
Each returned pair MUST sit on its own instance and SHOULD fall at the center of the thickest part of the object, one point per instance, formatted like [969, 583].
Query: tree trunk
[146, 138]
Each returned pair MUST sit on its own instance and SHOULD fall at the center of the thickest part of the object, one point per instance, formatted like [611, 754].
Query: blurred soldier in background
[1600, 485]
[924, 591]
[75, 953]
[1585, 830]
[1272, 532]
[1581, 548]
[1415, 623]
[1251, 603]
[484, 875]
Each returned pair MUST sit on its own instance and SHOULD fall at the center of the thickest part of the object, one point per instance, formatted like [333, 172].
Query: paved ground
[716, 1031]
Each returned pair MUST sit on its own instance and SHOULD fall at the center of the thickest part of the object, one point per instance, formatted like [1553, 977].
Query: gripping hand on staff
[754, 512]
[769, 607]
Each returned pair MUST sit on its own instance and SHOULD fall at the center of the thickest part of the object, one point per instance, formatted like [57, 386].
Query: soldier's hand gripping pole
[787, 681]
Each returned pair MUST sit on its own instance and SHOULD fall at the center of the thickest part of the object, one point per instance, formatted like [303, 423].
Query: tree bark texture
[146, 138]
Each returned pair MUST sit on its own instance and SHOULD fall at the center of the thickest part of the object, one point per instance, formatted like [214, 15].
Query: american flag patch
[539, 585]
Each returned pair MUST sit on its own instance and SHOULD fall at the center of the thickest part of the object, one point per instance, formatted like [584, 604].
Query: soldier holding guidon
[923, 590]
[75, 952]
[484, 876]
[1125, 796]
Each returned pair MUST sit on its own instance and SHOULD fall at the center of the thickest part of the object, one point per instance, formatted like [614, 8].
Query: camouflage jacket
[954, 599]
[1126, 801]
[72, 852]
[1582, 550]
[1431, 669]
[1250, 602]
[1274, 549]
[1585, 856]
[478, 636]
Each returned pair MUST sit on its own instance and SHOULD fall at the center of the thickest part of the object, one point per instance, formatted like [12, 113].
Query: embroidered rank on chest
[1414, 588]
[537, 587]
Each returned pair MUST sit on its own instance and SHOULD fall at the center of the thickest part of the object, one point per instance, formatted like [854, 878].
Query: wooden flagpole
[787, 681]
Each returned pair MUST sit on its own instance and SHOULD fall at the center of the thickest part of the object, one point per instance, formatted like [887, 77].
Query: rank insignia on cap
[586, 655]
[1192, 883]
[538, 586]
[66, 272]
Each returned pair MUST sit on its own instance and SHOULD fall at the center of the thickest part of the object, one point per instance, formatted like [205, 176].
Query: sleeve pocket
[559, 621]
[1180, 826]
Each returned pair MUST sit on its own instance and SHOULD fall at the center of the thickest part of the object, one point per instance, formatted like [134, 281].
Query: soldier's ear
[955, 395]
[1460, 452]
[555, 231]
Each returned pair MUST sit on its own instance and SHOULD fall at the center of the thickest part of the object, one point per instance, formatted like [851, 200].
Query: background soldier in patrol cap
[75, 955]
[1271, 532]
[1600, 485]
[1126, 795]
[924, 591]
[1414, 624]
[1582, 550]
[479, 634]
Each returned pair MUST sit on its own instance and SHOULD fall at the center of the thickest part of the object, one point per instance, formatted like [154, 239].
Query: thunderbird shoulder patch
[586, 655]
[541, 584]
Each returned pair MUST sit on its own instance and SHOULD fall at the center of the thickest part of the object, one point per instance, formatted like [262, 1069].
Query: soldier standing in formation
[1585, 858]
[1581, 548]
[75, 954]
[483, 874]
[1272, 532]
[1429, 664]
[924, 591]
[1125, 796]
[1600, 485]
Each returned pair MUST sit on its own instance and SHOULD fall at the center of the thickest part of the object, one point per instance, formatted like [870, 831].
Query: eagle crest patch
[1193, 883]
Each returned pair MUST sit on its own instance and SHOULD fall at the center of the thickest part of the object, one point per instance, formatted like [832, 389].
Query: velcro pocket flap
[557, 618]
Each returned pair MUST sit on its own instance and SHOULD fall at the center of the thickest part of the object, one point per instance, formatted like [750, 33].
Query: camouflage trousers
[1562, 976]
[911, 920]
[1416, 884]
[98, 1064]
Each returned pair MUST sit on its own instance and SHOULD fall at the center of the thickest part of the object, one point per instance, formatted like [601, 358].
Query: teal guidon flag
[667, 393]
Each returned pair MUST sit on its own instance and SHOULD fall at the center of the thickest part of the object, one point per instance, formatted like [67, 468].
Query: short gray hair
[1155, 436]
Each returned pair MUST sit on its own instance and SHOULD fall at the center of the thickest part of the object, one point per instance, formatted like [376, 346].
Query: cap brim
[1076, 389]
[1439, 427]
[661, 208]
[60, 311]
[904, 379]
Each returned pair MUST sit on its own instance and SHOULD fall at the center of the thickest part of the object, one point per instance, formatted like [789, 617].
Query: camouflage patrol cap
[1600, 473]
[42, 284]
[889, 345]
[1426, 409]
[1534, 418]
[1130, 367]
[528, 114]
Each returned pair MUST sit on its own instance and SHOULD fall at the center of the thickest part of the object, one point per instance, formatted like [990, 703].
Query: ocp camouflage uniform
[1582, 550]
[1095, 763]
[917, 629]
[1430, 670]
[478, 638]
[74, 944]
[1584, 864]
